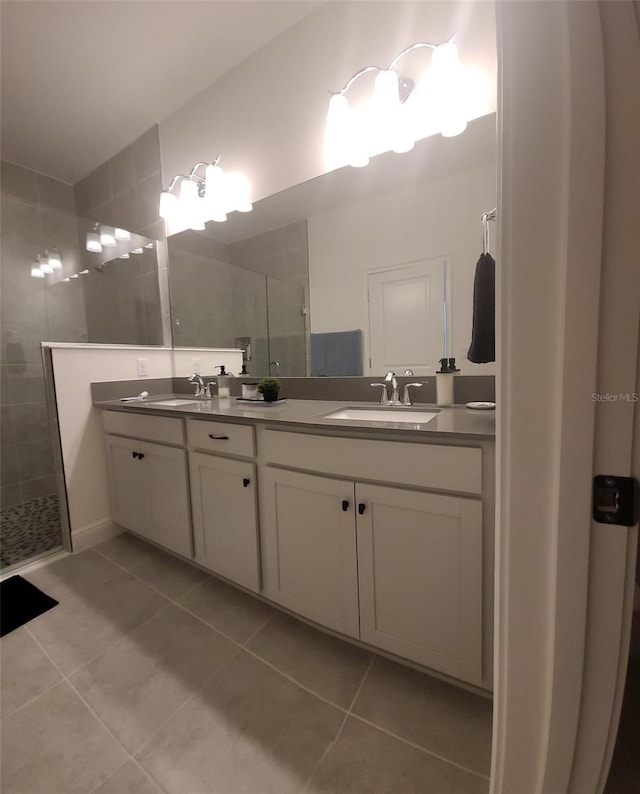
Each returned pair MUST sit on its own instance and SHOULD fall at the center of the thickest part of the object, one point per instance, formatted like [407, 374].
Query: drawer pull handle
[218, 438]
[345, 505]
[245, 482]
[361, 508]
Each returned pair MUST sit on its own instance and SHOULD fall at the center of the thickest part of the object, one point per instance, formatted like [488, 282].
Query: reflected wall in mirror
[384, 258]
[121, 290]
[250, 294]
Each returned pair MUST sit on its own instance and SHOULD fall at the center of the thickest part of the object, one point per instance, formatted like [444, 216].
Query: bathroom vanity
[381, 531]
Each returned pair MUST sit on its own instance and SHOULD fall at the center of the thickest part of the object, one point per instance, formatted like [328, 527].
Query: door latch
[616, 500]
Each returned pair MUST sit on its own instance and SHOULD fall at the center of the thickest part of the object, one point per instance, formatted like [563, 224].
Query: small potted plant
[269, 388]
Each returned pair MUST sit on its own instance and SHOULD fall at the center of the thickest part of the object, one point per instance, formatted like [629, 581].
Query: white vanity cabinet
[420, 577]
[309, 547]
[398, 567]
[148, 481]
[223, 499]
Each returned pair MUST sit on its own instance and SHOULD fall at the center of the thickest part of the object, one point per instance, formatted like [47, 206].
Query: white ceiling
[81, 79]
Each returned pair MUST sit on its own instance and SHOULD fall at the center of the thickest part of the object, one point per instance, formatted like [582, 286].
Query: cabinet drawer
[151, 428]
[436, 466]
[221, 437]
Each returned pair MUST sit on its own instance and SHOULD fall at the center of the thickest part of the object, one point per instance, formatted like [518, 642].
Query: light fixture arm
[193, 176]
[392, 66]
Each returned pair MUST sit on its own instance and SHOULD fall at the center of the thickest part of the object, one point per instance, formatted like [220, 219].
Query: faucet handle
[384, 397]
[406, 396]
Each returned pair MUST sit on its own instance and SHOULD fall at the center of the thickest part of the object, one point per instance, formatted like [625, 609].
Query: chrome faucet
[390, 379]
[406, 396]
[201, 390]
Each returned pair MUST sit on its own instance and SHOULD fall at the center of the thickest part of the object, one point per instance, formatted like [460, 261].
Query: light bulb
[67, 279]
[36, 272]
[107, 236]
[138, 251]
[337, 131]
[44, 265]
[168, 204]
[122, 234]
[83, 272]
[74, 275]
[445, 57]
[53, 259]
[148, 245]
[93, 243]
[213, 180]
[124, 256]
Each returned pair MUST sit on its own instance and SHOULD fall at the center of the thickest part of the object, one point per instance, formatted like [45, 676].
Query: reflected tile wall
[123, 303]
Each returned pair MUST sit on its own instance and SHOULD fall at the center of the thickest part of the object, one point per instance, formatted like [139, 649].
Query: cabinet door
[420, 569]
[225, 526]
[309, 548]
[169, 512]
[128, 485]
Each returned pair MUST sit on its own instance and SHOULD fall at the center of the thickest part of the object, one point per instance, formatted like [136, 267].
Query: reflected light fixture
[122, 234]
[107, 236]
[402, 110]
[93, 240]
[199, 199]
[46, 263]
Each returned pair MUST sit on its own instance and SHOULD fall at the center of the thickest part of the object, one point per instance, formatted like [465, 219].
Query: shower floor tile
[29, 529]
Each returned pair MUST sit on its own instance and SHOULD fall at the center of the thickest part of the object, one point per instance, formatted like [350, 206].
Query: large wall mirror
[353, 273]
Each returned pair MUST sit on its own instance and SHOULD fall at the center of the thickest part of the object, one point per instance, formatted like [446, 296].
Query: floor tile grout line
[265, 662]
[342, 724]
[280, 672]
[166, 721]
[33, 699]
[418, 747]
[87, 704]
[259, 629]
[311, 691]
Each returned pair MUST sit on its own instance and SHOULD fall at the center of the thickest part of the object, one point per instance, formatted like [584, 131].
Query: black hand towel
[483, 334]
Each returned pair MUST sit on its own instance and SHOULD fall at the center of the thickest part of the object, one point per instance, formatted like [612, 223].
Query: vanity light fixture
[54, 259]
[401, 110]
[46, 263]
[93, 243]
[204, 198]
[107, 236]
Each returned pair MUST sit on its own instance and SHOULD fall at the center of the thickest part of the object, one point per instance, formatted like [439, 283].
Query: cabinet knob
[361, 508]
[140, 455]
[134, 455]
[246, 482]
[345, 505]
[218, 438]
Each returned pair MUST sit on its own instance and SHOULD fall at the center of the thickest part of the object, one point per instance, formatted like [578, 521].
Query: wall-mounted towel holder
[486, 217]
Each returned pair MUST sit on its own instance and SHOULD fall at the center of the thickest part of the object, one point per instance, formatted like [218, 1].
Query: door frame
[551, 215]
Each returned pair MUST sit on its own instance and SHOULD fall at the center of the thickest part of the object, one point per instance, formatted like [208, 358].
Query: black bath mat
[20, 602]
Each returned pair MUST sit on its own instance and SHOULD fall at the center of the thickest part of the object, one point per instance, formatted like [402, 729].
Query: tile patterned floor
[152, 677]
[29, 529]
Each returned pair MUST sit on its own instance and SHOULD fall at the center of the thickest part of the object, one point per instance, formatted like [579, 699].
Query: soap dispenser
[444, 381]
[224, 389]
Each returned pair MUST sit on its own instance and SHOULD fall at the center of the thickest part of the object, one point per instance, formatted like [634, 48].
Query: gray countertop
[458, 421]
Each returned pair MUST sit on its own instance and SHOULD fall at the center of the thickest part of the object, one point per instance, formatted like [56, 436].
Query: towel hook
[486, 217]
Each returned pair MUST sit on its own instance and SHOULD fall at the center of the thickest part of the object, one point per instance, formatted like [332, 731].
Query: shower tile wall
[37, 213]
[123, 300]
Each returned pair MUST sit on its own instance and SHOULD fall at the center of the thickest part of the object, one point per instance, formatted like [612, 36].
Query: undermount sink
[413, 417]
[171, 403]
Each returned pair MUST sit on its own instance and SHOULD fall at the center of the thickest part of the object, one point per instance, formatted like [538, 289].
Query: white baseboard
[91, 535]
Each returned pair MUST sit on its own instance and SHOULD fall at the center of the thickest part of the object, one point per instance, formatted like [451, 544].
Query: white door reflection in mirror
[407, 320]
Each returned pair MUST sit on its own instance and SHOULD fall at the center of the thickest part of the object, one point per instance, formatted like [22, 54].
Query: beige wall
[441, 218]
[266, 117]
